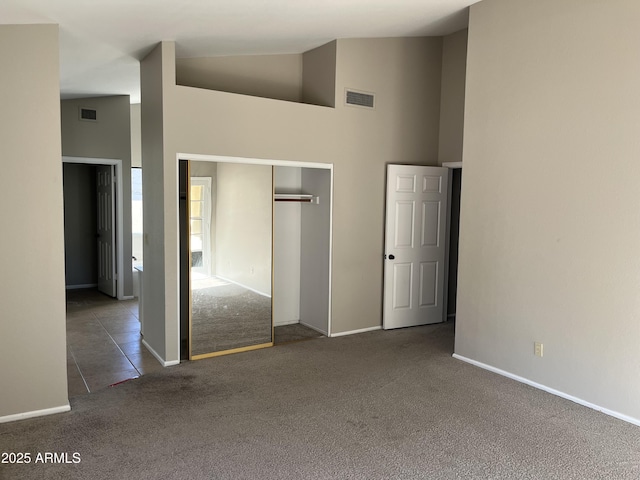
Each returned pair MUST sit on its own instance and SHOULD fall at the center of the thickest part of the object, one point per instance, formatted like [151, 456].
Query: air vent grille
[359, 99]
[88, 114]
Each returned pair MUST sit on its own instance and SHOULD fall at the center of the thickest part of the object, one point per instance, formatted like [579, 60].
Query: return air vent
[88, 114]
[359, 99]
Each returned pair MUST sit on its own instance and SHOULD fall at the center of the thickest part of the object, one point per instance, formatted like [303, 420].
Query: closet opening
[255, 254]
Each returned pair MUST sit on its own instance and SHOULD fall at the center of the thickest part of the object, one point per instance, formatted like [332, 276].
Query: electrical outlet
[538, 349]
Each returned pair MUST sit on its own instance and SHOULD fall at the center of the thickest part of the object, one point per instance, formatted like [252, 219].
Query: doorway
[81, 195]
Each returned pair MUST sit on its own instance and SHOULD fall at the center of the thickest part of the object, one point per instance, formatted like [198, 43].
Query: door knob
[391, 257]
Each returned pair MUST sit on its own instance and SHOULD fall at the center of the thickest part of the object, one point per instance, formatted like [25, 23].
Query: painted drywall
[319, 75]
[161, 336]
[286, 248]
[32, 333]
[243, 225]
[136, 135]
[550, 237]
[454, 63]
[270, 76]
[80, 225]
[314, 252]
[403, 128]
[109, 137]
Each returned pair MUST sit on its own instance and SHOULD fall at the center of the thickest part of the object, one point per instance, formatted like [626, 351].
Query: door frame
[250, 161]
[119, 212]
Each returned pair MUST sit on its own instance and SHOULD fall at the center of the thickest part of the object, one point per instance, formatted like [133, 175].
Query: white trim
[550, 390]
[242, 285]
[353, 332]
[452, 164]
[252, 161]
[78, 287]
[162, 361]
[119, 211]
[128, 297]
[35, 413]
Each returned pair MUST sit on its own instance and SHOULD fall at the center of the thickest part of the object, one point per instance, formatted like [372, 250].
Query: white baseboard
[241, 285]
[35, 413]
[550, 390]
[353, 332]
[128, 297]
[78, 287]
[162, 361]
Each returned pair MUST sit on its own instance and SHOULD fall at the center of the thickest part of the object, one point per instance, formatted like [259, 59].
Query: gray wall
[286, 248]
[109, 137]
[550, 238]
[314, 250]
[319, 75]
[402, 129]
[80, 225]
[32, 330]
[270, 76]
[454, 62]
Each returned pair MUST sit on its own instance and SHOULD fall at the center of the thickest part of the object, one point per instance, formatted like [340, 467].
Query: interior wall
[319, 75]
[454, 65]
[403, 128]
[550, 238]
[136, 135]
[32, 335]
[286, 248]
[80, 225]
[109, 137]
[243, 225]
[159, 334]
[269, 76]
[315, 250]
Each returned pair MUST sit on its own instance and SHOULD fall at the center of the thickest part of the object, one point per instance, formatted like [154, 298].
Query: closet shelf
[295, 197]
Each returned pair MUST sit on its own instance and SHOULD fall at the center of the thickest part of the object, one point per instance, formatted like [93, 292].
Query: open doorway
[103, 330]
[454, 237]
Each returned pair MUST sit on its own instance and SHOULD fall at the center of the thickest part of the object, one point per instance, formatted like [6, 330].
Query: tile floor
[103, 342]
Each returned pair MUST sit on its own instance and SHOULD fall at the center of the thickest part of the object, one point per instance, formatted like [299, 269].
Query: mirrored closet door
[228, 214]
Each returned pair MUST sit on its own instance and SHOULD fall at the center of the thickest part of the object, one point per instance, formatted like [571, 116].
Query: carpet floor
[226, 316]
[378, 405]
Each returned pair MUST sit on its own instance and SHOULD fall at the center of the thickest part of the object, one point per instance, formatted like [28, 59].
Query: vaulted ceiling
[102, 42]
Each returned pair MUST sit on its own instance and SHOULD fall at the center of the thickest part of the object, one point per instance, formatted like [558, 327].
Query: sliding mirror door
[230, 217]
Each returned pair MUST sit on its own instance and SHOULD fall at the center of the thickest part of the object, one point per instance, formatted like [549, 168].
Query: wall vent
[359, 99]
[88, 114]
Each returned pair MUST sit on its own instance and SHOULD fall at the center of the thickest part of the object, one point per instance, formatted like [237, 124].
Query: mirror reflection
[230, 237]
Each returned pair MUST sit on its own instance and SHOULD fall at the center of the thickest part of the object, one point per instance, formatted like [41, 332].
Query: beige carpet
[379, 405]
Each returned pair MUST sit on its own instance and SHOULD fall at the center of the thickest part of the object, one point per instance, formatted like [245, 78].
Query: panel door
[105, 183]
[415, 245]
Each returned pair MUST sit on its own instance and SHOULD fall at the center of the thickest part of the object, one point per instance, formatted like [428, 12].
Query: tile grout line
[86, 385]
[118, 346]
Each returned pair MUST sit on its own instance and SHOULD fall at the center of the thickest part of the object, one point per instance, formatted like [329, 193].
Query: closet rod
[301, 200]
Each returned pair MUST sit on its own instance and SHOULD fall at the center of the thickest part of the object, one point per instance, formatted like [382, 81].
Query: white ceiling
[102, 42]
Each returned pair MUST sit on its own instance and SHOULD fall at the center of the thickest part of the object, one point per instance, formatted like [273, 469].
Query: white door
[105, 184]
[415, 245]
